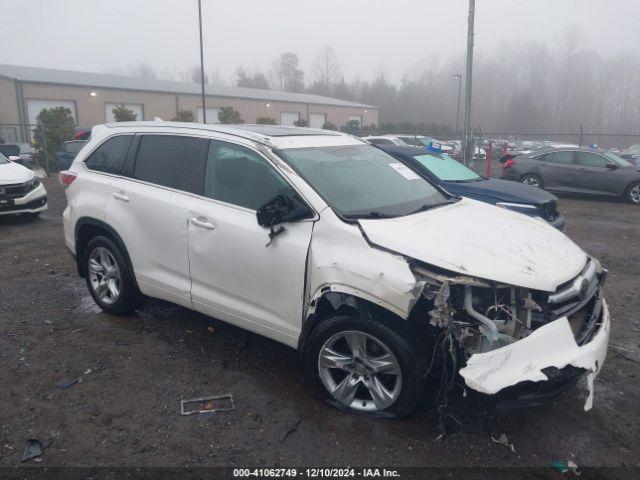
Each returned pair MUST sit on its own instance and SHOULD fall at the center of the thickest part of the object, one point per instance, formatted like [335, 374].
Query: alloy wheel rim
[635, 194]
[104, 275]
[531, 181]
[360, 371]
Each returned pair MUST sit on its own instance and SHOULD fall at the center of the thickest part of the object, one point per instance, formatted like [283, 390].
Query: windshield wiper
[429, 207]
[372, 214]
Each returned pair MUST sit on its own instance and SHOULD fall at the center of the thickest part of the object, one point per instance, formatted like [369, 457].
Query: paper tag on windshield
[405, 171]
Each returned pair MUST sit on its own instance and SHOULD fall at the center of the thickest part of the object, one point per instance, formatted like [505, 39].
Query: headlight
[518, 207]
[32, 184]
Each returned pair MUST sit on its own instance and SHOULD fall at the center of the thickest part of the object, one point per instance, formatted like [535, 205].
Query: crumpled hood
[14, 173]
[480, 240]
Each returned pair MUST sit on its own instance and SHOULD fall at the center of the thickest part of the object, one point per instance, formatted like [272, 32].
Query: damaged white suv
[329, 245]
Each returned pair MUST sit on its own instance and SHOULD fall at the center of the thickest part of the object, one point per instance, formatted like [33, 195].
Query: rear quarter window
[109, 156]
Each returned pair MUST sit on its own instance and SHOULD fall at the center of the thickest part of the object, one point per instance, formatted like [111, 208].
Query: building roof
[121, 82]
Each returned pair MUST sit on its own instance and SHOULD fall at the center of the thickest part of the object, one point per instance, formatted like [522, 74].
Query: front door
[235, 275]
[593, 175]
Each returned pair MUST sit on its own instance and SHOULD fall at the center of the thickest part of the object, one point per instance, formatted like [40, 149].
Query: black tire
[399, 338]
[128, 293]
[532, 179]
[631, 195]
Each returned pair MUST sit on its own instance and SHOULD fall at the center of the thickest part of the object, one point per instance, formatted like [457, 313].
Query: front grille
[580, 300]
[16, 190]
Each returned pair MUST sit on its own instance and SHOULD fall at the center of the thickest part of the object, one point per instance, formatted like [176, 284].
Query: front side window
[171, 161]
[588, 159]
[109, 157]
[3, 159]
[565, 158]
[446, 168]
[362, 180]
[616, 159]
[240, 176]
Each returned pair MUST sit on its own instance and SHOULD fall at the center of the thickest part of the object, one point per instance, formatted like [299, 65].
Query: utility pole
[468, 149]
[459, 77]
[204, 106]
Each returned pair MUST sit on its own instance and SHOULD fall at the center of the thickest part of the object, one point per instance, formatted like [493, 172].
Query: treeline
[519, 88]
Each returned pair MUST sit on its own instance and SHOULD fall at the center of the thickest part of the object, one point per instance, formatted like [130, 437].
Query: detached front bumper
[550, 355]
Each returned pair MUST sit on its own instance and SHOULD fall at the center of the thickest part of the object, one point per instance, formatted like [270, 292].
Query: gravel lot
[134, 371]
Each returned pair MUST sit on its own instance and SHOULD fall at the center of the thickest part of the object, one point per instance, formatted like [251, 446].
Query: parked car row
[386, 282]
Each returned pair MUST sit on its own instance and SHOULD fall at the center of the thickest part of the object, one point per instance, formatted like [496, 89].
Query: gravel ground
[132, 373]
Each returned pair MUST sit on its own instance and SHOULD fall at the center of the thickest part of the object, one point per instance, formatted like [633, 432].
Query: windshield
[446, 168]
[620, 161]
[363, 181]
[3, 159]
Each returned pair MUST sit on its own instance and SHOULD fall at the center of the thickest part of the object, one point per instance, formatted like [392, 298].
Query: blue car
[461, 181]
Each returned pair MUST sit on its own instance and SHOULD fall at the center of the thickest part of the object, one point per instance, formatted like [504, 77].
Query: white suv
[327, 244]
[20, 189]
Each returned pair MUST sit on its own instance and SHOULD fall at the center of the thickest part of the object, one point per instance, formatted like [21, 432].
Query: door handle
[121, 196]
[202, 222]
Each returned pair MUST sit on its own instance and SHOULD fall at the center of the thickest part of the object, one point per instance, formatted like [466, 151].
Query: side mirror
[15, 158]
[281, 209]
[612, 166]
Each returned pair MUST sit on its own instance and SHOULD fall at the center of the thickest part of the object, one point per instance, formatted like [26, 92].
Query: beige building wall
[8, 102]
[90, 109]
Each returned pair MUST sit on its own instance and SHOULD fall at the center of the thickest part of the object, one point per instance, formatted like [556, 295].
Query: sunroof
[282, 131]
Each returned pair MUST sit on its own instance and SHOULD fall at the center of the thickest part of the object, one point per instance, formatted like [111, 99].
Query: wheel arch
[87, 228]
[337, 298]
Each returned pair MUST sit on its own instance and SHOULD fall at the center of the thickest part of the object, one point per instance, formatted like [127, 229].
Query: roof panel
[102, 80]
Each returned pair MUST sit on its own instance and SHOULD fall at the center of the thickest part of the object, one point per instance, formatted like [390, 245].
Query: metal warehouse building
[91, 97]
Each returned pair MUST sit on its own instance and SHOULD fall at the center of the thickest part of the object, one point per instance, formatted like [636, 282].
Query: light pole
[459, 77]
[204, 107]
[468, 150]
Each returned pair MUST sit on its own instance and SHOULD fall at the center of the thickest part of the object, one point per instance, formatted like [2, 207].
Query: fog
[522, 50]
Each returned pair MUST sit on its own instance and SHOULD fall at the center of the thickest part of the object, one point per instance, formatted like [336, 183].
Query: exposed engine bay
[505, 335]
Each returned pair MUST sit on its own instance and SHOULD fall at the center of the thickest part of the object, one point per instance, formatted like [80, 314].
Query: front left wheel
[108, 277]
[633, 193]
[366, 365]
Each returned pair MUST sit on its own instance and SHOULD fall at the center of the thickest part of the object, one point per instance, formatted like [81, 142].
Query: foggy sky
[367, 35]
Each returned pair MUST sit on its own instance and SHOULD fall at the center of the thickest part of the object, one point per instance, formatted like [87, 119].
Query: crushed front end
[521, 344]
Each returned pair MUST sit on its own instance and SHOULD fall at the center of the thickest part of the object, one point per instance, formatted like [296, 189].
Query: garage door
[34, 107]
[317, 120]
[136, 108]
[289, 118]
[212, 115]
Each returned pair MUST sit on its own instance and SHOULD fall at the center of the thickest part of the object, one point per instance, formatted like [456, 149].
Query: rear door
[557, 170]
[235, 275]
[149, 207]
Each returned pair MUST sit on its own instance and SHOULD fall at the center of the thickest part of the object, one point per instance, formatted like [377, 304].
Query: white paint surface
[480, 240]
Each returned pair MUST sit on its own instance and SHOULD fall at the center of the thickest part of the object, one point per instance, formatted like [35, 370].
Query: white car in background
[20, 189]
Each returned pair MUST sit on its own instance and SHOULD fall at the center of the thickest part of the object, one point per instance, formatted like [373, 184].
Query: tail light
[67, 177]
[509, 163]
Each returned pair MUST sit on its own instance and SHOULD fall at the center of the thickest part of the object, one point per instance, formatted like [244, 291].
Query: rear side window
[109, 157]
[239, 176]
[171, 161]
[559, 157]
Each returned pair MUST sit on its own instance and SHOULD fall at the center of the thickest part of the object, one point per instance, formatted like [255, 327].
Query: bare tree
[285, 74]
[325, 69]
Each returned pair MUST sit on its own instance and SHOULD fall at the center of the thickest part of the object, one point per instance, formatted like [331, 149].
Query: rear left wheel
[532, 180]
[108, 277]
